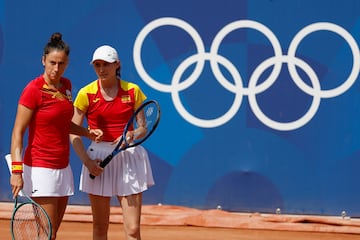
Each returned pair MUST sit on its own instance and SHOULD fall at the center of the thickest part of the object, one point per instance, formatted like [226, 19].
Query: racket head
[29, 220]
[150, 110]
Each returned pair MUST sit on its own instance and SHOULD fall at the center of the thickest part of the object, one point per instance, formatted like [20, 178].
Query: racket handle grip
[103, 164]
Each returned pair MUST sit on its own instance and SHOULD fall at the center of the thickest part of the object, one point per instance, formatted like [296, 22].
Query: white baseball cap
[105, 53]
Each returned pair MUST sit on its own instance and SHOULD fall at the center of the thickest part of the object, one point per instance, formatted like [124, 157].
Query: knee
[133, 230]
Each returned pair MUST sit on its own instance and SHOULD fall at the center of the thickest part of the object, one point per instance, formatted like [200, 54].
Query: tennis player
[108, 103]
[45, 109]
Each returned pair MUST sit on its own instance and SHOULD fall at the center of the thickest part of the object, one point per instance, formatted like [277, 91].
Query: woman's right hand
[93, 166]
[17, 183]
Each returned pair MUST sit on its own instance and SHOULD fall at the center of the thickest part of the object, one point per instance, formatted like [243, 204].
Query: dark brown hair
[56, 43]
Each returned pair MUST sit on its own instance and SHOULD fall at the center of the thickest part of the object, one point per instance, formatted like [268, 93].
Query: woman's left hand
[96, 135]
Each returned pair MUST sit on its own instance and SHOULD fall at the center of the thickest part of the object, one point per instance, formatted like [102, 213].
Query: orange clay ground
[175, 223]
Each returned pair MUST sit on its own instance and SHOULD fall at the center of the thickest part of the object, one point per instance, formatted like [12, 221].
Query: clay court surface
[175, 223]
[82, 231]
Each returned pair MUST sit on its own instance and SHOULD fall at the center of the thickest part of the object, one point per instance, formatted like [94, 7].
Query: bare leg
[55, 207]
[131, 207]
[100, 207]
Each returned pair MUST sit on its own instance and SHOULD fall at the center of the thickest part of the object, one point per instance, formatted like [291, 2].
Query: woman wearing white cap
[107, 103]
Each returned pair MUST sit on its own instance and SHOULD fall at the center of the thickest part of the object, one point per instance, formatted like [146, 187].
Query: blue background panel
[239, 129]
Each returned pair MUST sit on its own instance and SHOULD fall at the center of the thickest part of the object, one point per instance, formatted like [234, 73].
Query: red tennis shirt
[48, 134]
[109, 116]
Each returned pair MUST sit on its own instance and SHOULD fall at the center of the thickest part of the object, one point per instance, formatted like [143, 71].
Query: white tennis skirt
[129, 172]
[47, 182]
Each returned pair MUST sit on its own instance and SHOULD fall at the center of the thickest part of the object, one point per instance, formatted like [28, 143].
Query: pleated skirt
[129, 172]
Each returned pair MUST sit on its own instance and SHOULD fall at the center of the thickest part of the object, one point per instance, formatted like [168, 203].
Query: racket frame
[18, 205]
[28, 201]
[122, 140]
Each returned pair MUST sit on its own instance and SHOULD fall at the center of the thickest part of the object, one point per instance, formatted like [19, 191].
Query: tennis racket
[148, 116]
[29, 220]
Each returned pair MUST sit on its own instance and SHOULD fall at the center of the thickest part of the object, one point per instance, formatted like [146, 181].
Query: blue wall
[260, 99]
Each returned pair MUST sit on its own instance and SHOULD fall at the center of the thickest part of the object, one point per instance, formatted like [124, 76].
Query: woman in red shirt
[45, 109]
[108, 103]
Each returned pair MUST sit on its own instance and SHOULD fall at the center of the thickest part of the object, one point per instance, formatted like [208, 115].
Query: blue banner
[260, 99]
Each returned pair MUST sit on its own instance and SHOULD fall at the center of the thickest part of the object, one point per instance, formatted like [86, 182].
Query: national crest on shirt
[125, 98]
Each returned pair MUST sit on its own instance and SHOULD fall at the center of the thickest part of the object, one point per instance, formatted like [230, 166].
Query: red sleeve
[31, 96]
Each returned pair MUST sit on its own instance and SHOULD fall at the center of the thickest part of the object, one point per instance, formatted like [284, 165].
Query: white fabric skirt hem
[129, 172]
[47, 182]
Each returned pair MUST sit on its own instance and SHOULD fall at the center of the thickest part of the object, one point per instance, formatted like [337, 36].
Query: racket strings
[151, 115]
[149, 111]
[30, 222]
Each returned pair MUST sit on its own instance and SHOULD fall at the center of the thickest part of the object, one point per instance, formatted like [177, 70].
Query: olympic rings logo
[237, 86]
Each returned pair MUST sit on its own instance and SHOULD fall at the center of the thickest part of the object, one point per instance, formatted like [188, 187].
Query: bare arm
[141, 122]
[79, 147]
[140, 131]
[93, 134]
[22, 120]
